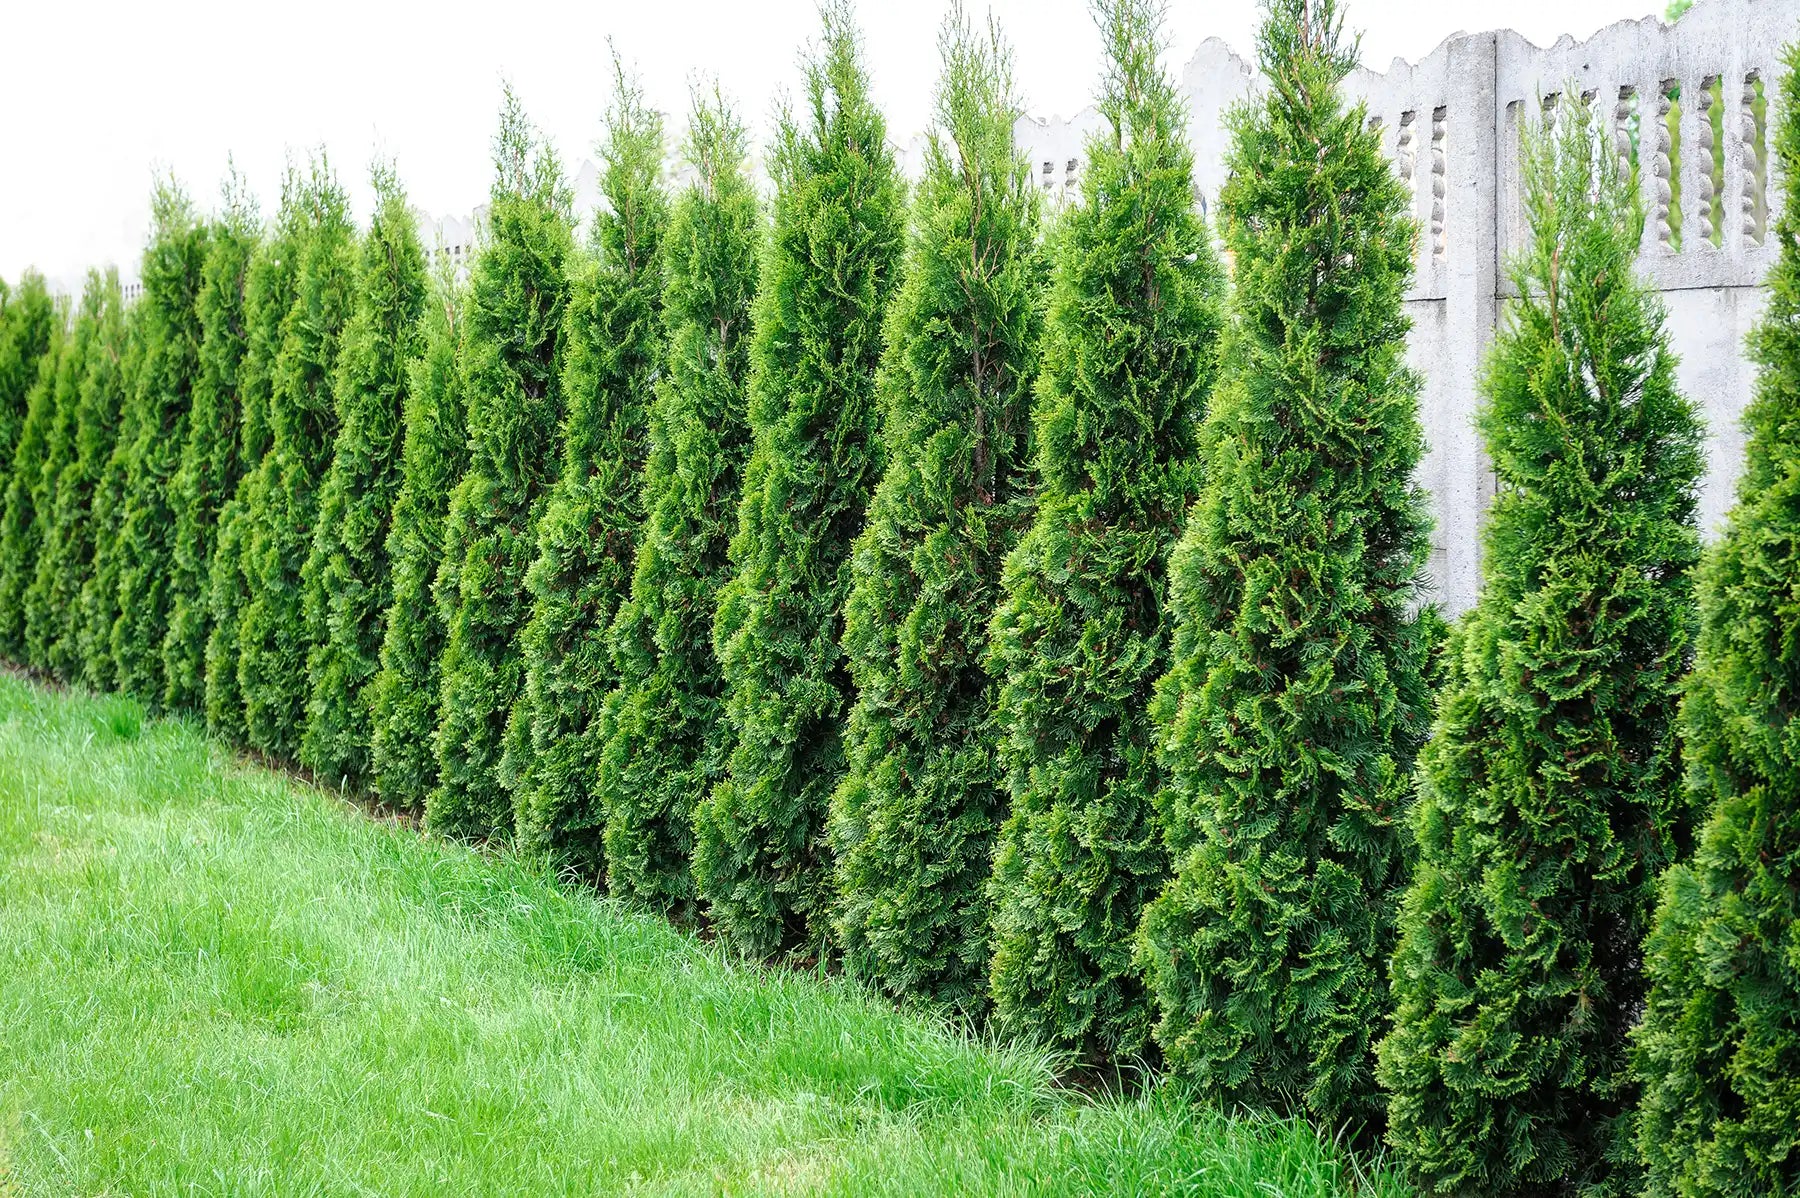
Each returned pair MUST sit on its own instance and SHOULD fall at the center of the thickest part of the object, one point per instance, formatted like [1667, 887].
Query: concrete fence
[1690, 104]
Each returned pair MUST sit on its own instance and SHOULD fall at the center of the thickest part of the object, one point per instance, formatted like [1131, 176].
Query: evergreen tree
[24, 340]
[45, 601]
[511, 363]
[109, 438]
[269, 291]
[75, 509]
[345, 580]
[1297, 694]
[663, 729]
[210, 460]
[21, 532]
[273, 639]
[761, 860]
[1719, 1048]
[1545, 802]
[587, 539]
[913, 822]
[162, 396]
[404, 694]
[1080, 635]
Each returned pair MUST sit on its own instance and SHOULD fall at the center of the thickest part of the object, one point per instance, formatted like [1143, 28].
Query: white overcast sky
[101, 94]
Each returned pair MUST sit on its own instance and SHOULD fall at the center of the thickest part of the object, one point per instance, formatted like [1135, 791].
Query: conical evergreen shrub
[761, 859]
[511, 362]
[109, 438]
[24, 339]
[1297, 695]
[273, 637]
[46, 598]
[1547, 799]
[162, 396]
[1718, 1053]
[210, 460]
[74, 514]
[21, 531]
[913, 822]
[587, 540]
[664, 733]
[404, 694]
[345, 579]
[269, 292]
[1081, 633]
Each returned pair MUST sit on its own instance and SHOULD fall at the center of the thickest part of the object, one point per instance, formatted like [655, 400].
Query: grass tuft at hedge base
[218, 980]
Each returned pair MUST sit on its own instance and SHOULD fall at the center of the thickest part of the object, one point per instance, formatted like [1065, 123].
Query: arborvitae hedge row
[1297, 696]
[1081, 634]
[403, 698]
[512, 378]
[913, 822]
[345, 580]
[269, 291]
[161, 398]
[210, 461]
[1718, 1054]
[45, 600]
[761, 858]
[663, 729]
[1547, 799]
[273, 638]
[74, 509]
[587, 540]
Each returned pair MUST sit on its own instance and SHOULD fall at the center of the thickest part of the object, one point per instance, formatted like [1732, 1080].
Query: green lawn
[215, 981]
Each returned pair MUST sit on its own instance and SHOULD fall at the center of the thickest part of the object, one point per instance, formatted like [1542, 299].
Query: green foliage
[345, 579]
[663, 730]
[25, 326]
[1297, 695]
[1718, 1053]
[210, 460]
[53, 586]
[269, 291]
[1081, 633]
[1546, 802]
[161, 397]
[913, 822]
[273, 637]
[511, 362]
[403, 697]
[761, 859]
[106, 442]
[75, 514]
[587, 539]
[21, 530]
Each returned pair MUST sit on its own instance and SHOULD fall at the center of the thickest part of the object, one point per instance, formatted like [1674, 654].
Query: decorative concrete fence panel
[1689, 107]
